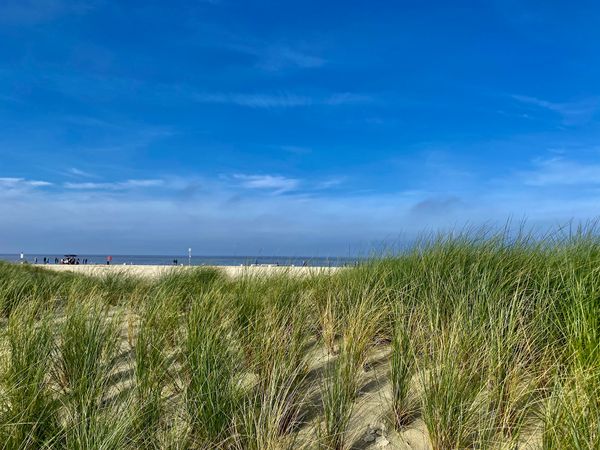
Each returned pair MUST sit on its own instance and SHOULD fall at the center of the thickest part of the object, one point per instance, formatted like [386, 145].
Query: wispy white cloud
[560, 171]
[346, 98]
[115, 186]
[279, 184]
[268, 101]
[282, 99]
[275, 183]
[144, 183]
[80, 173]
[572, 113]
[276, 58]
[19, 183]
[90, 121]
[38, 183]
[296, 149]
[330, 183]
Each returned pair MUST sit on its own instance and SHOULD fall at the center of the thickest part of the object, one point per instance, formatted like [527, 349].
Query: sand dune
[156, 271]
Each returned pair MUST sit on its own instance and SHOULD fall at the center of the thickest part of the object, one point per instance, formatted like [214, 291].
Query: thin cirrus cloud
[74, 171]
[572, 113]
[12, 183]
[330, 183]
[276, 183]
[276, 58]
[115, 186]
[282, 99]
[561, 172]
[347, 98]
[279, 184]
[267, 101]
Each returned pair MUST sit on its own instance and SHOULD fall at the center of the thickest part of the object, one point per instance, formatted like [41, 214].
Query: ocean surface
[166, 260]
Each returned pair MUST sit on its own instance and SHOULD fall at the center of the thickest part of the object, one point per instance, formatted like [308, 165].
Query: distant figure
[108, 260]
[55, 260]
[175, 262]
[303, 263]
[35, 260]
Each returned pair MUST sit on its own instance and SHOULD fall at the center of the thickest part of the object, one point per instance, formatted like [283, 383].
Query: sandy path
[157, 271]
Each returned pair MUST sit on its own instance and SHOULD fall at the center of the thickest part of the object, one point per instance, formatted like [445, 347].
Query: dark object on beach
[69, 259]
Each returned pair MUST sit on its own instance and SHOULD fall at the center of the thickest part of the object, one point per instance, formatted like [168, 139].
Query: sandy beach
[148, 271]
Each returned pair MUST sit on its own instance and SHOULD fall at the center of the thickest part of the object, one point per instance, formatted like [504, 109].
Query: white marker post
[190, 256]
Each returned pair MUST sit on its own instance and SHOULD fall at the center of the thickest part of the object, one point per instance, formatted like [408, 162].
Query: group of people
[62, 260]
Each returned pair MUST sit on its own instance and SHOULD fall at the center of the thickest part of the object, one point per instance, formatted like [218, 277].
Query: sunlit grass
[28, 414]
[489, 340]
[212, 374]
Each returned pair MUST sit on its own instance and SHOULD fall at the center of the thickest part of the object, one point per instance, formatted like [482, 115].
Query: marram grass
[491, 341]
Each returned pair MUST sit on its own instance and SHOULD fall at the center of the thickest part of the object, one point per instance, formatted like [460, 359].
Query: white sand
[156, 271]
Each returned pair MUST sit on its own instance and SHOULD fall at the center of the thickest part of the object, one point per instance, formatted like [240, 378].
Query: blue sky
[292, 128]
